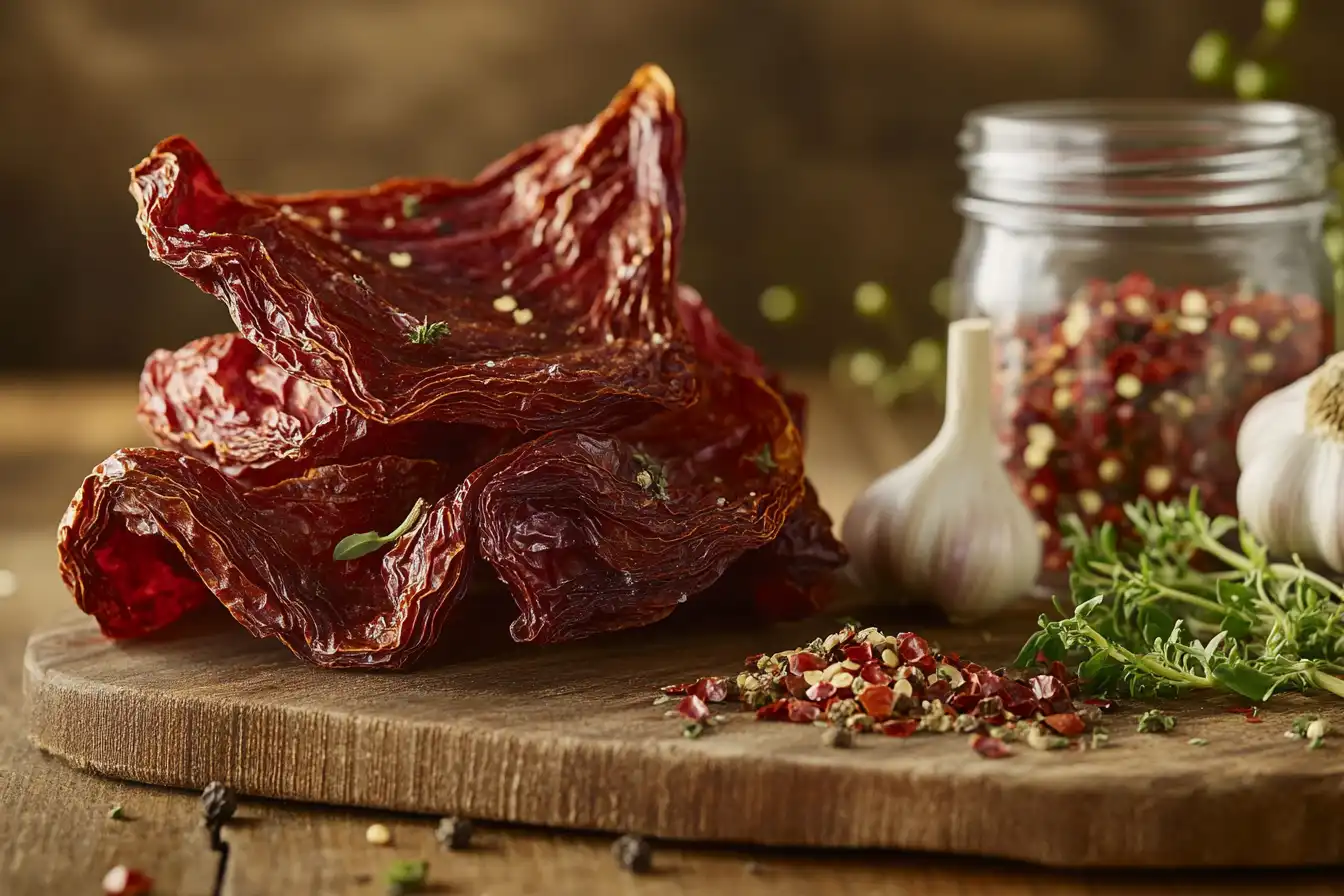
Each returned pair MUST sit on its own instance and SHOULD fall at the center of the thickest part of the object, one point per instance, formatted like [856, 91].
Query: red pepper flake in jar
[1129, 389]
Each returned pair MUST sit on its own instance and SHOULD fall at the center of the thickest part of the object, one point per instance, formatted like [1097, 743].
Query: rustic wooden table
[56, 838]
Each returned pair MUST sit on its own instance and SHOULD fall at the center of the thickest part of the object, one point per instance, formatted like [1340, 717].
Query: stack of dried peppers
[500, 372]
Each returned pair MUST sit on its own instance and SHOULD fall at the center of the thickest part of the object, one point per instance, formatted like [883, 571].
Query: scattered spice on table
[1311, 728]
[454, 832]
[125, 881]
[1197, 742]
[633, 853]
[1131, 389]
[407, 876]
[219, 802]
[861, 680]
[117, 813]
[1155, 721]
[378, 834]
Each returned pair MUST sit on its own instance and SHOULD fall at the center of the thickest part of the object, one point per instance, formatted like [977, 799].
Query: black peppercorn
[454, 832]
[218, 803]
[633, 853]
[838, 737]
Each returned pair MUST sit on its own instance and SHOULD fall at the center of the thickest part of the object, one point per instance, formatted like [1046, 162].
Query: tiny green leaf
[352, 547]
[1155, 721]
[410, 206]
[408, 876]
[427, 333]
[765, 460]
[1246, 681]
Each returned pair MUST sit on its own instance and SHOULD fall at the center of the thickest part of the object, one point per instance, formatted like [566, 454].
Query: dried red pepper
[150, 527]
[222, 401]
[1137, 390]
[553, 272]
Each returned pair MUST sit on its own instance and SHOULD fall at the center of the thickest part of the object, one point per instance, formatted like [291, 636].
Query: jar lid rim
[1148, 153]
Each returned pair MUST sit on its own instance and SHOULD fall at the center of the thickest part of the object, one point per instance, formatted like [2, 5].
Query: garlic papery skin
[1291, 451]
[947, 527]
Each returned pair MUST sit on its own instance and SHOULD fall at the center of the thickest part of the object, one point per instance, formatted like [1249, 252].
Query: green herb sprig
[428, 332]
[1180, 610]
[352, 547]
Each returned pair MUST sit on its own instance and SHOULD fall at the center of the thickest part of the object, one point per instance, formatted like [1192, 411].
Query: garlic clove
[948, 527]
[1272, 501]
[1323, 512]
[1278, 417]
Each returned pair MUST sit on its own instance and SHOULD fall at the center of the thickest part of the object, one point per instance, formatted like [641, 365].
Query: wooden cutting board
[567, 736]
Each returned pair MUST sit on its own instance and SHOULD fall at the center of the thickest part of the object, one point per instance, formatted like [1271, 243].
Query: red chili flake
[1069, 724]
[821, 691]
[898, 727]
[873, 673]
[1061, 672]
[796, 685]
[989, 747]
[753, 662]
[676, 690]
[938, 689]
[1051, 694]
[805, 662]
[877, 702]
[1101, 703]
[803, 711]
[1135, 389]
[964, 702]
[693, 708]
[953, 660]
[711, 690]
[914, 651]
[124, 881]
[990, 709]
[1018, 698]
[859, 653]
[774, 712]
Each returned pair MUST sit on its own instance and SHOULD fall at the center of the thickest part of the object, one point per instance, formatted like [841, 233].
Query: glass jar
[1152, 270]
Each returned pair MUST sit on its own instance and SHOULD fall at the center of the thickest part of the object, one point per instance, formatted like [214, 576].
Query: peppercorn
[218, 803]
[633, 853]
[454, 832]
[838, 737]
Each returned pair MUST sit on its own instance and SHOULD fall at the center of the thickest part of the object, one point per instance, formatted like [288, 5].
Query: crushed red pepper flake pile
[868, 682]
[1135, 390]
[512, 355]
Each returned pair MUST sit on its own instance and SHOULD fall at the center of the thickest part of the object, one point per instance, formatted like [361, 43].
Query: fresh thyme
[652, 478]
[427, 333]
[352, 547]
[1180, 610]
[765, 460]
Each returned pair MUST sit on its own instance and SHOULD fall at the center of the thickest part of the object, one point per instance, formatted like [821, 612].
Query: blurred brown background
[821, 131]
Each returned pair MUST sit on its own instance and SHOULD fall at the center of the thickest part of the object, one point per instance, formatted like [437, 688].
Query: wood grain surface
[566, 736]
[55, 837]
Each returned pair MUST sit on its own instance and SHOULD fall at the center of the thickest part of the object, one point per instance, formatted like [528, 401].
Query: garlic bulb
[1291, 451]
[947, 527]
